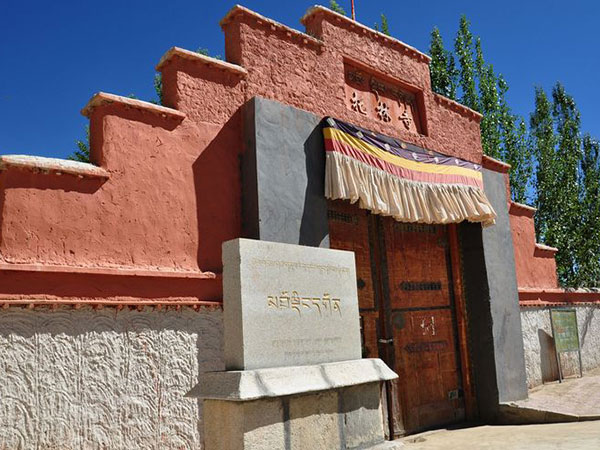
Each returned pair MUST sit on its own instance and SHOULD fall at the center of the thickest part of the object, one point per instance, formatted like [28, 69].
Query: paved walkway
[567, 436]
[578, 398]
[575, 396]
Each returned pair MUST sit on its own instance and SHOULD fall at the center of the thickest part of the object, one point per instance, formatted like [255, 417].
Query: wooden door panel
[426, 359]
[423, 324]
[369, 334]
[349, 230]
[417, 265]
[405, 292]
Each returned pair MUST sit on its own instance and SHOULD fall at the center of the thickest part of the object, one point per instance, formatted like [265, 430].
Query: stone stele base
[326, 406]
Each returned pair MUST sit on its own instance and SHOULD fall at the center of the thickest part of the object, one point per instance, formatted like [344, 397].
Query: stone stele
[288, 305]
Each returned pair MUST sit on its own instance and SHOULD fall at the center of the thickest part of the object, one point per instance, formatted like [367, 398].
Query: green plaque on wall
[564, 329]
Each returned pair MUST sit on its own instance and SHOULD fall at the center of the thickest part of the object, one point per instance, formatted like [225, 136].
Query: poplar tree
[515, 147]
[588, 249]
[488, 104]
[463, 47]
[334, 6]
[82, 154]
[555, 128]
[441, 67]
[385, 28]
[565, 233]
[518, 155]
[541, 130]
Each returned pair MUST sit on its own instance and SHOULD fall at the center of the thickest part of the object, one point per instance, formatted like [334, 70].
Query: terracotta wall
[535, 263]
[152, 228]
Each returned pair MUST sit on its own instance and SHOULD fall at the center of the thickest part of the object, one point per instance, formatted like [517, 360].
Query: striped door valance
[408, 183]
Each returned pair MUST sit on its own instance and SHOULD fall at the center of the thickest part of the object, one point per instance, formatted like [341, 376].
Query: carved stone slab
[288, 305]
[244, 385]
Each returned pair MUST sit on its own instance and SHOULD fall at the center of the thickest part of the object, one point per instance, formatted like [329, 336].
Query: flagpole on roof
[353, 15]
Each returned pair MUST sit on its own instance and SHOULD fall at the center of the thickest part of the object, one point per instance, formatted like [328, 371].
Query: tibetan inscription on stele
[288, 305]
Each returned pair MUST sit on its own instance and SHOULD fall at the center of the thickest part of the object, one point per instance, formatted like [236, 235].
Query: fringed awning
[408, 183]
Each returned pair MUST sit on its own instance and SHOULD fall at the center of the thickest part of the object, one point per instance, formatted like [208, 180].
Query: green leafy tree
[442, 68]
[516, 150]
[463, 47]
[518, 155]
[588, 248]
[384, 28]
[334, 6]
[565, 231]
[541, 129]
[82, 154]
[488, 104]
[158, 87]
[555, 130]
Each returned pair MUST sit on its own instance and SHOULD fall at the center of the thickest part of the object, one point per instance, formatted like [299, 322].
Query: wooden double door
[412, 315]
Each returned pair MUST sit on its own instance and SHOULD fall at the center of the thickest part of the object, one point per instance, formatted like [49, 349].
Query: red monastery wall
[147, 224]
[535, 263]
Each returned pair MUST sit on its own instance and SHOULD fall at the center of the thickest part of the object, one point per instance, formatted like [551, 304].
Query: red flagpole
[353, 15]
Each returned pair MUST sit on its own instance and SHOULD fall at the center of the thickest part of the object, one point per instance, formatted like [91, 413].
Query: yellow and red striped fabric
[386, 153]
[393, 178]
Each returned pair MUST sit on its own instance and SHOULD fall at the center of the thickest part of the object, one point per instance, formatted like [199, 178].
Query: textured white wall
[86, 379]
[540, 359]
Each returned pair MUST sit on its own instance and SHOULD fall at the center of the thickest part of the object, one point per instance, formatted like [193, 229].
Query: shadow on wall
[14, 179]
[34, 285]
[314, 228]
[217, 181]
[548, 361]
[584, 327]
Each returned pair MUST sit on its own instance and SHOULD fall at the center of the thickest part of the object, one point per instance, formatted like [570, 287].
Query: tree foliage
[334, 6]
[475, 84]
[567, 186]
[562, 229]
[588, 249]
[384, 27]
[552, 165]
[158, 86]
[82, 154]
[516, 150]
[488, 105]
[463, 47]
[442, 68]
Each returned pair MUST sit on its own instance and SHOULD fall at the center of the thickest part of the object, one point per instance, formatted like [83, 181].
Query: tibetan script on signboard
[296, 302]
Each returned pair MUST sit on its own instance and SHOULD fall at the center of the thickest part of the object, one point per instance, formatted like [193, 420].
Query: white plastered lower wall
[540, 359]
[96, 379]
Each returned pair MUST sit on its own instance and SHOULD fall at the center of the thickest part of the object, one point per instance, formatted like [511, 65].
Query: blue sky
[55, 55]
